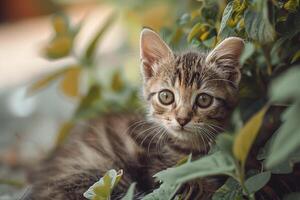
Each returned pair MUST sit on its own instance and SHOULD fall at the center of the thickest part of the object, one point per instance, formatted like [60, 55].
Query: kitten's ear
[152, 50]
[226, 58]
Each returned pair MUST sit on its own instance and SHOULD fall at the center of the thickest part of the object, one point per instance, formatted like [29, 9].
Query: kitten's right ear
[152, 50]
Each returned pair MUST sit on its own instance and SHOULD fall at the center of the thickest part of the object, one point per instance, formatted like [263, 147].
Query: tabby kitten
[189, 97]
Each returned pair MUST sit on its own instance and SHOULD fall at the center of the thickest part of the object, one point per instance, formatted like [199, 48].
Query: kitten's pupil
[204, 100]
[166, 97]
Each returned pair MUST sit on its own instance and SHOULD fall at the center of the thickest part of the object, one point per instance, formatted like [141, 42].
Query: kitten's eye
[204, 100]
[166, 97]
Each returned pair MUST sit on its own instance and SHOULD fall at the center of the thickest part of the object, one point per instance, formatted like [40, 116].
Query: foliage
[271, 31]
[92, 102]
[269, 88]
[102, 189]
[284, 89]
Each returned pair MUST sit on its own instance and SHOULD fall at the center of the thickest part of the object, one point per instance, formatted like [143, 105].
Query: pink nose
[183, 121]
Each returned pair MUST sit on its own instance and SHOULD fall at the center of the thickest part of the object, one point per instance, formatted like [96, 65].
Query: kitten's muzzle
[183, 121]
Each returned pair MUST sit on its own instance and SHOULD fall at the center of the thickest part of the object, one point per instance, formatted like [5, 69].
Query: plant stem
[268, 62]
[241, 179]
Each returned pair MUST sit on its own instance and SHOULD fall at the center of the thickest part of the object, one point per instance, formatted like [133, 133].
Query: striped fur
[143, 147]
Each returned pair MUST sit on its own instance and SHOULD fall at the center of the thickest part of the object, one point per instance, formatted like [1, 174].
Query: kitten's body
[176, 125]
[98, 146]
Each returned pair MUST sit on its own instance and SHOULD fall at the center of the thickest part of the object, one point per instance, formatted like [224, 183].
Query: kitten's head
[190, 94]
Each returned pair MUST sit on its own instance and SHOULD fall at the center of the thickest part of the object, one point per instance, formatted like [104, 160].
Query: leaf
[166, 191]
[63, 133]
[88, 103]
[291, 5]
[44, 82]
[225, 142]
[285, 167]
[60, 24]
[231, 190]
[93, 44]
[287, 139]
[286, 87]
[117, 84]
[70, 83]
[195, 30]
[102, 189]
[247, 53]
[292, 196]
[226, 16]
[204, 36]
[216, 163]
[184, 160]
[258, 181]
[296, 56]
[247, 135]
[258, 26]
[286, 142]
[184, 19]
[130, 193]
[59, 47]
[227, 32]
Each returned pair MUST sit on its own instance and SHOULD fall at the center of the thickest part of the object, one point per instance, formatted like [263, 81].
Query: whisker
[158, 147]
[149, 144]
[136, 125]
[201, 136]
[152, 128]
[216, 126]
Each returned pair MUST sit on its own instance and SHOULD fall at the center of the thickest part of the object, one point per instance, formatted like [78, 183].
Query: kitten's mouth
[182, 133]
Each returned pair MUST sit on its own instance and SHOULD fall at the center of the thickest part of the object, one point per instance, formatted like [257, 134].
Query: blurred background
[53, 55]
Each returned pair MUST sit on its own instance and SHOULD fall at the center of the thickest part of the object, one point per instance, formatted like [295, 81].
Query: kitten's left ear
[152, 50]
[226, 57]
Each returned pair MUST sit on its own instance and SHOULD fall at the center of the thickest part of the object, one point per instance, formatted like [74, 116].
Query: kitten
[189, 97]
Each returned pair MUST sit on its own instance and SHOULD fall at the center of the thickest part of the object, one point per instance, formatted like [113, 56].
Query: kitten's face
[190, 94]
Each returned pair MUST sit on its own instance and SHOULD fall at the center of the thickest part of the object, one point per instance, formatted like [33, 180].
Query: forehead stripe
[150, 95]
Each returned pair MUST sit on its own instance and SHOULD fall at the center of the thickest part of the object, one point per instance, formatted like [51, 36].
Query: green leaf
[195, 30]
[117, 83]
[184, 160]
[59, 47]
[225, 142]
[291, 5]
[71, 81]
[257, 24]
[166, 191]
[102, 189]
[286, 87]
[45, 81]
[172, 178]
[227, 32]
[258, 181]
[89, 54]
[287, 139]
[231, 190]
[130, 193]
[285, 167]
[286, 142]
[60, 24]
[296, 56]
[216, 163]
[247, 135]
[63, 133]
[292, 196]
[87, 104]
[226, 15]
[247, 53]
